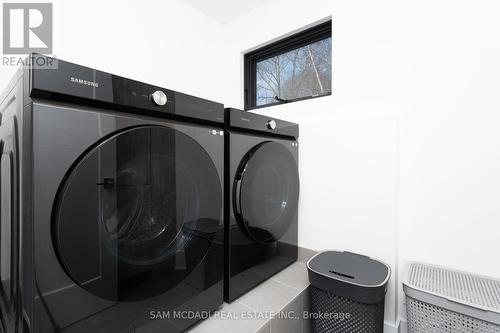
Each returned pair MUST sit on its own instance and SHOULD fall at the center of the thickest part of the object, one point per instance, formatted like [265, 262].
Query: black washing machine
[262, 193]
[112, 196]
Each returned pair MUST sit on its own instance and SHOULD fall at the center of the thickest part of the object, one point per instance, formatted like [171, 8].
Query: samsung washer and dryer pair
[262, 192]
[111, 203]
[112, 198]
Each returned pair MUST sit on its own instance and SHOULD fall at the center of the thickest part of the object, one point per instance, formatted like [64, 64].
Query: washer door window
[266, 192]
[137, 213]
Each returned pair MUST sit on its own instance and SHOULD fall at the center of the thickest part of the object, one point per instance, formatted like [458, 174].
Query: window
[291, 69]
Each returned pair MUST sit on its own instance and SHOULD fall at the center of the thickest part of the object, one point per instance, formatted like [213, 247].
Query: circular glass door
[266, 192]
[136, 213]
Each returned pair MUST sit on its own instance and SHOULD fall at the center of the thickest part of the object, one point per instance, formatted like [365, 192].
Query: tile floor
[274, 306]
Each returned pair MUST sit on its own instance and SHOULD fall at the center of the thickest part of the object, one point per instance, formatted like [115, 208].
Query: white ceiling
[224, 11]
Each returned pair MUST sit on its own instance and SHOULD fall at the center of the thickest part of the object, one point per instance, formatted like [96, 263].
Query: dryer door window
[266, 192]
[137, 213]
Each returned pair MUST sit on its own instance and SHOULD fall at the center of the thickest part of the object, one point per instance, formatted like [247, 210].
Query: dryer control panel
[248, 121]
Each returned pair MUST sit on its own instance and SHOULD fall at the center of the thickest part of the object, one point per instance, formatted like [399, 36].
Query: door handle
[107, 183]
[237, 197]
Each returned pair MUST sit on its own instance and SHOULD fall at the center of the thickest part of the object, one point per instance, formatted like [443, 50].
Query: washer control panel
[77, 84]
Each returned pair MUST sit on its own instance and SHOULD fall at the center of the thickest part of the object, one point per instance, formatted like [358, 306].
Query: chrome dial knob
[159, 98]
[271, 124]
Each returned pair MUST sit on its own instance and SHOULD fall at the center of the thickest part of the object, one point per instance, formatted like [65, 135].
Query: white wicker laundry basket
[440, 300]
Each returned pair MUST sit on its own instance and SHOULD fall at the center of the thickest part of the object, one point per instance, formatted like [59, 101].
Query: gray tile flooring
[294, 276]
[290, 319]
[266, 328]
[230, 318]
[269, 296]
[275, 306]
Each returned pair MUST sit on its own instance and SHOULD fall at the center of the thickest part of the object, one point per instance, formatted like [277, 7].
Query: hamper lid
[350, 268]
[466, 293]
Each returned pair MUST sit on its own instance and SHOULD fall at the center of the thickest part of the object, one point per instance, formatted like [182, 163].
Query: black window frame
[295, 41]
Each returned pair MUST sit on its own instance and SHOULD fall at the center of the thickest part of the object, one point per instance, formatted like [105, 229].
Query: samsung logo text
[84, 82]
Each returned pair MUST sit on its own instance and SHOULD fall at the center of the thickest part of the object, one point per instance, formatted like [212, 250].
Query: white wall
[402, 162]
[167, 43]
[450, 138]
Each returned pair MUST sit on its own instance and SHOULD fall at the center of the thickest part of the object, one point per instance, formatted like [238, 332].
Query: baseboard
[304, 254]
[390, 328]
[402, 326]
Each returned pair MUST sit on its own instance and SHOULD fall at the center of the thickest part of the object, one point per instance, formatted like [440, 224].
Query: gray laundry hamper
[440, 300]
[351, 288]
